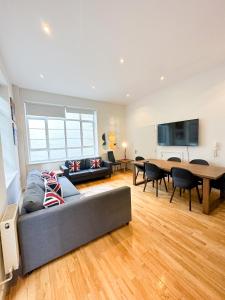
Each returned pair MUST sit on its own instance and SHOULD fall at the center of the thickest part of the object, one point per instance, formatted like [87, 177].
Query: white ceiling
[174, 38]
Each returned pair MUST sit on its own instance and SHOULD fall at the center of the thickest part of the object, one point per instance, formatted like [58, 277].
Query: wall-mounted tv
[183, 133]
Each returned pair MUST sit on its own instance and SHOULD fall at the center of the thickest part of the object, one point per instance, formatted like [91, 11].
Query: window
[53, 138]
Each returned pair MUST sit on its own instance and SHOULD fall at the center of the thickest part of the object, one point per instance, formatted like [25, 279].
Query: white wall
[202, 96]
[109, 117]
[9, 189]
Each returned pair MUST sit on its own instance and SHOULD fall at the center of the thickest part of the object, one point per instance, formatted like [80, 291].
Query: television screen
[184, 133]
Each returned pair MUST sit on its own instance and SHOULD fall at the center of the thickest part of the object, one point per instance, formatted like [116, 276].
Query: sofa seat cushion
[80, 174]
[33, 198]
[67, 187]
[73, 198]
[101, 170]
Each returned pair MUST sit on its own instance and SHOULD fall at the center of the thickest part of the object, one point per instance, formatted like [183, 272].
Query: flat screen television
[183, 133]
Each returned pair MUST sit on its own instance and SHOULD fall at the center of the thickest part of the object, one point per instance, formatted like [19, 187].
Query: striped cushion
[95, 163]
[52, 198]
[74, 165]
[54, 185]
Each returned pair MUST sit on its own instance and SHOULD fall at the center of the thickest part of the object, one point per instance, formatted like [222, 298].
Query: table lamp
[124, 145]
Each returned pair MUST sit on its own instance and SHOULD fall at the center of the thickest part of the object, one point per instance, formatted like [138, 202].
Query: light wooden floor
[166, 252]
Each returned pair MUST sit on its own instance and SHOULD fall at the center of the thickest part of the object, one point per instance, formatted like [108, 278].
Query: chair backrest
[111, 156]
[139, 158]
[152, 171]
[199, 162]
[182, 178]
[174, 159]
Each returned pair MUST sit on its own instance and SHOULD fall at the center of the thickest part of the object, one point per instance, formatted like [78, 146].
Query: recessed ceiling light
[162, 78]
[42, 76]
[127, 95]
[122, 61]
[46, 28]
[93, 87]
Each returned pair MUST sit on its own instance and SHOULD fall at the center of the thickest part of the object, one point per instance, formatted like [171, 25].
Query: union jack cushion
[95, 163]
[74, 165]
[52, 198]
[54, 185]
[47, 175]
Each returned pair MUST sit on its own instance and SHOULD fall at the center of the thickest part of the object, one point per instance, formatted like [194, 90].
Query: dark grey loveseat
[86, 173]
[46, 234]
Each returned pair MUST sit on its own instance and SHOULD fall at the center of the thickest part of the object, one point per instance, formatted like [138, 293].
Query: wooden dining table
[207, 173]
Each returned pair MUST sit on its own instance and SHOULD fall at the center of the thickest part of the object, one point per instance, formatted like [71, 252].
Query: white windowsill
[46, 162]
[61, 160]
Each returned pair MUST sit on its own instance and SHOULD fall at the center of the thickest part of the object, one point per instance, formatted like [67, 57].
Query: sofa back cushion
[33, 198]
[34, 176]
[88, 161]
[82, 163]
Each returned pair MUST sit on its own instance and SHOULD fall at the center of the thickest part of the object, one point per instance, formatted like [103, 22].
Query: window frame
[66, 148]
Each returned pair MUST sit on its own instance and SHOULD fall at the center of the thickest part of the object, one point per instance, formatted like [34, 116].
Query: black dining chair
[199, 162]
[176, 159]
[140, 168]
[218, 184]
[184, 179]
[154, 173]
[111, 158]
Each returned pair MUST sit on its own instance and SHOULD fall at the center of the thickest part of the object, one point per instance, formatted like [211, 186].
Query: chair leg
[137, 175]
[160, 181]
[199, 197]
[190, 200]
[146, 181]
[153, 183]
[165, 184]
[171, 198]
[157, 188]
[143, 175]
[180, 192]
[168, 177]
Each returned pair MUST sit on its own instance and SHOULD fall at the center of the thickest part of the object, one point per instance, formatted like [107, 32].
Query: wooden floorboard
[166, 252]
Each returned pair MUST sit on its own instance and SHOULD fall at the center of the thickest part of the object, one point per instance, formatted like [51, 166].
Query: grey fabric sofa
[46, 234]
[86, 173]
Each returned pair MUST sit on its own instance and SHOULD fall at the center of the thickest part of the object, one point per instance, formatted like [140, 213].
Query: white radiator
[10, 249]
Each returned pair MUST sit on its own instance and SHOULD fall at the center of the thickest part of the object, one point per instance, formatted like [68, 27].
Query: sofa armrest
[65, 170]
[49, 233]
[107, 164]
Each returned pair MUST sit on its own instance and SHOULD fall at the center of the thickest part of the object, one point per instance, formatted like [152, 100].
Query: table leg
[134, 174]
[206, 199]
[222, 194]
